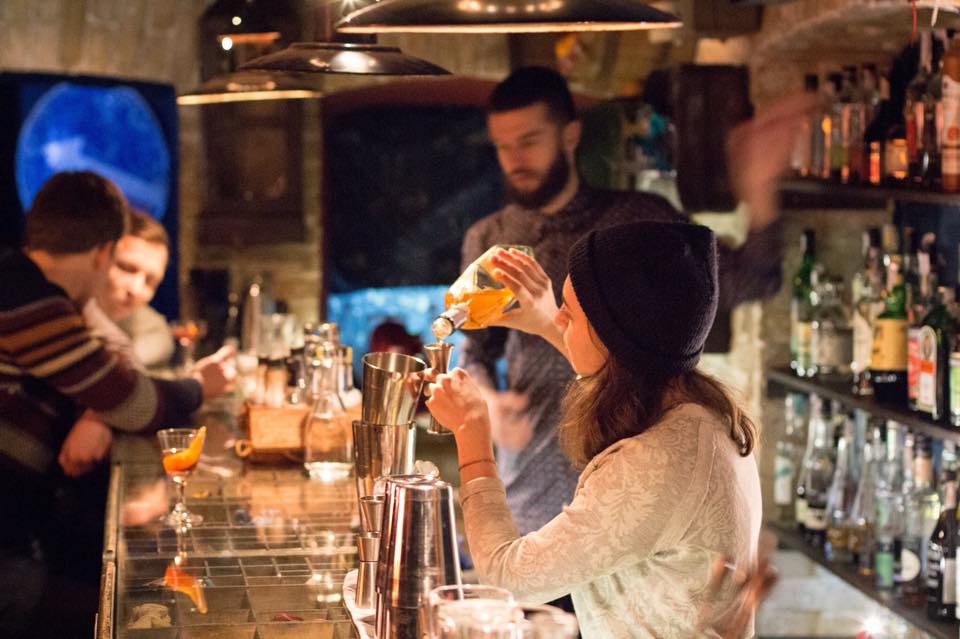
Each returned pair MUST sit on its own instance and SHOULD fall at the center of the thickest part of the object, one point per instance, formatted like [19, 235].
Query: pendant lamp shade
[249, 86]
[343, 57]
[505, 16]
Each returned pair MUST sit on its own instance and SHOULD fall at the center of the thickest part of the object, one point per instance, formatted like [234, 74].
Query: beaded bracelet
[478, 461]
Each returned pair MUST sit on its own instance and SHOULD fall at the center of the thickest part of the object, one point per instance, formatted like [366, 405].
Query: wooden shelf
[791, 539]
[841, 392]
[809, 193]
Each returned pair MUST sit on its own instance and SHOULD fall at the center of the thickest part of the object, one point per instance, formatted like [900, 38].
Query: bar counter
[268, 560]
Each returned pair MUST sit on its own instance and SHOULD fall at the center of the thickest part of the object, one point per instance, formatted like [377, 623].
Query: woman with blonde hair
[669, 484]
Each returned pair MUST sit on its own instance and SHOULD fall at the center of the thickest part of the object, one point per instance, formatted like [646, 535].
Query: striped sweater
[51, 368]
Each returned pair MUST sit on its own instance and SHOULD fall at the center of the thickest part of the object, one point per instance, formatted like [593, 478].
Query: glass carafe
[476, 299]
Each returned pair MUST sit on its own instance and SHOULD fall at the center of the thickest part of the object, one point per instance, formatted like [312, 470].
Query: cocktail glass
[181, 449]
[188, 333]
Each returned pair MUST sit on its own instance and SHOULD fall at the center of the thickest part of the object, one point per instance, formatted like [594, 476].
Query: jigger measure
[438, 355]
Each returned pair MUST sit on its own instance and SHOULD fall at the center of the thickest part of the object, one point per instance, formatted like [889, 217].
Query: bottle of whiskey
[888, 359]
[935, 343]
[476, 299]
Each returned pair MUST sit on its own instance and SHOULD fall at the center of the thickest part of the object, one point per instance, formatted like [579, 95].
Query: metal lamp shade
[505, 16]
[343, 57]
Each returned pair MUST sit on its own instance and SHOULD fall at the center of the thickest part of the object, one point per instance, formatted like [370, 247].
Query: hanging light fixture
[505, 16]
[250, 86]
[330, 55]
[343, 57]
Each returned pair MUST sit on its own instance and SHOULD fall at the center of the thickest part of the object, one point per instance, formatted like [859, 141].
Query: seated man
[139, 267]
[51, 369]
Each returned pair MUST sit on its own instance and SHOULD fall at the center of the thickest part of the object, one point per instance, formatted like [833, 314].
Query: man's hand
[87, 443]
[216, 373]
[509, 425]
[533, 289]
[759, 150]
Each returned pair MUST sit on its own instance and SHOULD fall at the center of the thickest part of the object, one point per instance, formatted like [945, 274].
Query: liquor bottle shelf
[811, 193]
[841, 392]
[791, 539]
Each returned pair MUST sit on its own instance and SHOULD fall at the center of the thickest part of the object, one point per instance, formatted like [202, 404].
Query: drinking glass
[188, 333]
[472, 611]
[181, 449]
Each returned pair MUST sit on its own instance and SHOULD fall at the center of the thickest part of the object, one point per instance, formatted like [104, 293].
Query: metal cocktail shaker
[418, 551]
[391, 388]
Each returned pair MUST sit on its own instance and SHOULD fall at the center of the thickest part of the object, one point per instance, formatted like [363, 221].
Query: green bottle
[888, 360]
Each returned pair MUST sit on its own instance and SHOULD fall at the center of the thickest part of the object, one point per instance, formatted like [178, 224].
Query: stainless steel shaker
[418, 551]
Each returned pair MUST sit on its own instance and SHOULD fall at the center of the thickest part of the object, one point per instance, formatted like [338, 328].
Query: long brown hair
[616, 403]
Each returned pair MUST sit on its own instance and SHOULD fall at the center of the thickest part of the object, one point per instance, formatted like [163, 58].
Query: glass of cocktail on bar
[181, 449]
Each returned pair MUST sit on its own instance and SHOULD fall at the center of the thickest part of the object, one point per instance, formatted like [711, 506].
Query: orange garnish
[175, 578]
[186, 458]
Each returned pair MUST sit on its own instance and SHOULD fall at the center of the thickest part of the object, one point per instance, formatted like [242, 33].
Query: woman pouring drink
[668, 485]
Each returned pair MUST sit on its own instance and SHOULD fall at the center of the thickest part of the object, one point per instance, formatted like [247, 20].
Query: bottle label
[816, 518]
[862, 342]
[913, 362]
[955, 383]
[800, 508]
[889, 345]
[783, 473]
[909, 565]
[949, 572]
[895, 159]
[934, 569]
[883, 564]
[832, 347]
[927, 370]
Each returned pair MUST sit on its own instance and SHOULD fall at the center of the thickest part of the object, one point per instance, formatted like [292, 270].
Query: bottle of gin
[863, 511]
[922, 512]
[818, 478]
[476, 299]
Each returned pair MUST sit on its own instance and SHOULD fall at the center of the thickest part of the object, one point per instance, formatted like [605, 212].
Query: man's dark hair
[73, 212]
[529, 85]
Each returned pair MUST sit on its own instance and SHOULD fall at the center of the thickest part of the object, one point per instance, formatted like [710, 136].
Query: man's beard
[553, 182]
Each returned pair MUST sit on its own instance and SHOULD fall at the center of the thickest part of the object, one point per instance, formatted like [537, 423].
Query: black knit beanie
[649, 290]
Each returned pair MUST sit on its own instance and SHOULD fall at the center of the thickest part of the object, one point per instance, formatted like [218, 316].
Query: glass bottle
[942, 547]
[922, 513]
[888, 524]
[837, 150]
[888, 359]
[819, 417]
[852, 126]
[327, 431]
[914, 112]
[950, 135]
[831, 333]
[800, 310]
[350, 395]
[867, 305]
[863, 511]
[917, 291]
[875, 135]
[803, 152]
[818, 478]
[476, 299]
[840, 498]
[788, 457]
[935, 342]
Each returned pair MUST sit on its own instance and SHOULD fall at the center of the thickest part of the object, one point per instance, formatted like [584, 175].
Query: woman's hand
[456, 402]
[533, 289]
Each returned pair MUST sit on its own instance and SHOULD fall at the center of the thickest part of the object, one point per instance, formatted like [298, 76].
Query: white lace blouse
[635, 547]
